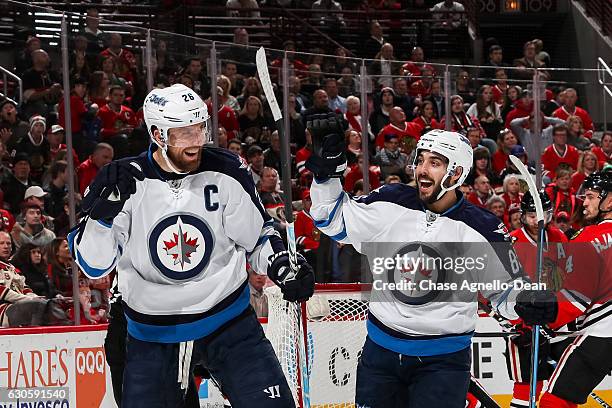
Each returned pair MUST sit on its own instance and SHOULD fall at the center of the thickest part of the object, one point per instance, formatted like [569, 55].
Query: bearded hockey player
[586, 297]
[179, 223]
[417, 351]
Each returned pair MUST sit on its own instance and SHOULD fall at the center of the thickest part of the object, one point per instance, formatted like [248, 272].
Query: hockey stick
[264, 76]
[535, 341]
[477, 390]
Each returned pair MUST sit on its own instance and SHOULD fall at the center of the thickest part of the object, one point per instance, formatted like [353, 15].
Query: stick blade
[266, 82]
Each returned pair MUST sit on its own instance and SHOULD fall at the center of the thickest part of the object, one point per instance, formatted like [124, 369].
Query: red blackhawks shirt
[551, 158]
[410, 129]
[586, 295]
[587, 122]
[113, 121]
[305, 232]
[300, 159]
[527, 250]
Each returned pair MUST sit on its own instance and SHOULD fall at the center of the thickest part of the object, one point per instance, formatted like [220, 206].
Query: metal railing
[603, 71]
[6, 73]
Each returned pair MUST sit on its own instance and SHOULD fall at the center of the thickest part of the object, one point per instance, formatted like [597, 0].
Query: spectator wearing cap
[12, 129]
[518, 151]
[335, 102]
[521, 127]
[379, 118]
[569, 108]
[559, 152]
[255, 158]
[41, 86]
[562, 221]
[15, 186]
[36, 147]
[226, 115]
[399, 127]
[514, 218]
[32, 231]
[37, 196]
[506, 140]
[604, 151]
[390, 158]
[86, 172]
[55, 138]
[482, 192]
[522, 107]
[57, 189]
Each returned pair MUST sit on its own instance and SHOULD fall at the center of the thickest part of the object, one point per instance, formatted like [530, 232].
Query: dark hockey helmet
[528, 204]
[600, 181]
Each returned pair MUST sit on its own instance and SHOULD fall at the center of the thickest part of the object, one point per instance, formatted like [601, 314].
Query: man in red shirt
[569, 108]
[482, 192]
[102, 155]
[226, 115]
[399, 127]
[118, 121]
[559, 152]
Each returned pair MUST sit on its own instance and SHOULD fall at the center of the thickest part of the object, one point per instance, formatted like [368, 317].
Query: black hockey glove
[297, 289]
[328, 157]
[108, 192]
[537, 306]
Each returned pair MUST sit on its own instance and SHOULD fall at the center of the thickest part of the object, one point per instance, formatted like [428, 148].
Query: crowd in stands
[405, 100]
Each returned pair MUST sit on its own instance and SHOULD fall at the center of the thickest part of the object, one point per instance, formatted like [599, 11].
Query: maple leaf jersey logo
[180, 246]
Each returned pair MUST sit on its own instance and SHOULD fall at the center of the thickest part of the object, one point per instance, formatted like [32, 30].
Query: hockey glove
[328, 157]
[108, 192]
[295, 289]
[537, 306]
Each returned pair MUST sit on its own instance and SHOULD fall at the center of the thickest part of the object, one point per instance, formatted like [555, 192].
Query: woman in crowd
[576, 135]
[79, 68]
[30, 262]
[460, 121]
[109, 68]
[486, 111]
[252, 87]
[587, 164]
[426, 117]
[353, 116]
[505, 142]
[353, 146]
[99, 86]
[252, 122]
[464, 87]
[60, 267]
[512, 191]
[513, 93]
[481, 167]
[228, 99]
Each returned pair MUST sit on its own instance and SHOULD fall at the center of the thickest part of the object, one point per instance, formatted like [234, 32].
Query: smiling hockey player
[417, 351]
[179, 223]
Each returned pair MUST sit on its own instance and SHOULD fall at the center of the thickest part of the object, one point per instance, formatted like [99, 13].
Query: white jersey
[180, 246]
[421, 322]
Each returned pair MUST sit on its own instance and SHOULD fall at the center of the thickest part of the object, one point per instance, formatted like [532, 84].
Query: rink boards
[36, 360]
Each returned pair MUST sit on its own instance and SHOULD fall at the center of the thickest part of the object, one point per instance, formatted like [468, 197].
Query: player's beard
[431, 195]
[185, 159]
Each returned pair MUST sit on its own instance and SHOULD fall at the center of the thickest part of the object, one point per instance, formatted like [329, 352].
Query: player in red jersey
[585, 299]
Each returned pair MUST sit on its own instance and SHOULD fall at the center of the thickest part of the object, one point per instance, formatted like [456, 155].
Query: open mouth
[191, 155]
[425, 184]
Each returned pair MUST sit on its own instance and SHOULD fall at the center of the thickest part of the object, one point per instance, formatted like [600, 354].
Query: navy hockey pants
[238, 357]
[386, 379]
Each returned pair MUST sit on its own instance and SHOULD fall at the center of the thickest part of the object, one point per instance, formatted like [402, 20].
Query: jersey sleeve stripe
[330, 218]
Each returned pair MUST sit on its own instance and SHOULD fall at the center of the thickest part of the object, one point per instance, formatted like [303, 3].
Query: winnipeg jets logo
[180, 246]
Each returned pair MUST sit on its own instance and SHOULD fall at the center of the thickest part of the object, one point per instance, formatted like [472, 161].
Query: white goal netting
[336, 330]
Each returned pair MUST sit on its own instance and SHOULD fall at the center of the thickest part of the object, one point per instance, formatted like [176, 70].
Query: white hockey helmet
[173, 107]
[452, 145]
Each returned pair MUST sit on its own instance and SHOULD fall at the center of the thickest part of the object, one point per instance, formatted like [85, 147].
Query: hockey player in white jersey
[417, 351]
[179, 223]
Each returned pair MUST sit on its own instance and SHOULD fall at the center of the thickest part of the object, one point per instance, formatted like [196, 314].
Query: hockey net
[335, 331]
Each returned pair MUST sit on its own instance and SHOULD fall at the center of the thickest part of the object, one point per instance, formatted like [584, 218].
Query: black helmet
[528, 205]
[600, 181]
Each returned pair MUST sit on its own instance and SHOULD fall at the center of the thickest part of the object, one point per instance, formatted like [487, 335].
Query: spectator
[6, 246]
[86, 172]
[496, 60]
[109, 67]
[235, 146]
[385, 66]
[23, 61]
[330, 13]
[125, 62]
[511, 101]
[587, 164]
[254, 127]
[436, 97]
[252, 87]
[258, 299]
[353, 146]
[302, 100]
[604, 152]
[497, 206]
[12, 129]
[95, 37]
[486, 111]
[390, 159]
[521, 127]
[514, 218]
[412, 68]
[461, 121]
[78, 62]
[512, 191]
[6, 221]
[541, 55]
[100, 294]
[506, 140]
[255, 159]
[426, 117]
[464, 87]
[482, 192]
[201, 83]
[55, 137]
[58, 187]
[320, 105]
[499, 87]
[510, 168]
[118, 121]
[60, 266]
[296, 125]
[556, 101]
[79, 113]
[99, 88]
[272, 155]
[522, 107]
[303, 154]
[61, 224]
[313, 80]
[268, 188]
[450, 13]
[41, 88]
[30, 262]
[165, 62]
[375, 42]
[16, 185]
[341, 61]
[36, 147]
[32, 231]
[296, 66]
[481, 166]
[19, 305]
[576, 134]
[227, 99]
[561, 193]
[222, 137]
[87, 314]
[559, 152]
[242, 8]
[398, 126]
[307, 237]
[226, 115]
[403, 98]
[354, 174]
[562, 222]
[230, 70]
[528, 62]
[569, 108]
[335, 102]
[379, 118]
[241, 53]
[353, 115]
[421, 88]
[35, 195]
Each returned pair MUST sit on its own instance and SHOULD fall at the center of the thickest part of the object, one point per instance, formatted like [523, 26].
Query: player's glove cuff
[295, 288]
[537, 306]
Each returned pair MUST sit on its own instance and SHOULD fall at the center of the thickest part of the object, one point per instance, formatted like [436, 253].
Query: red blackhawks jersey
[551, 158]
[587, 291]
[306, 235]
[553, 255]
[113, 121]
[410, 129]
